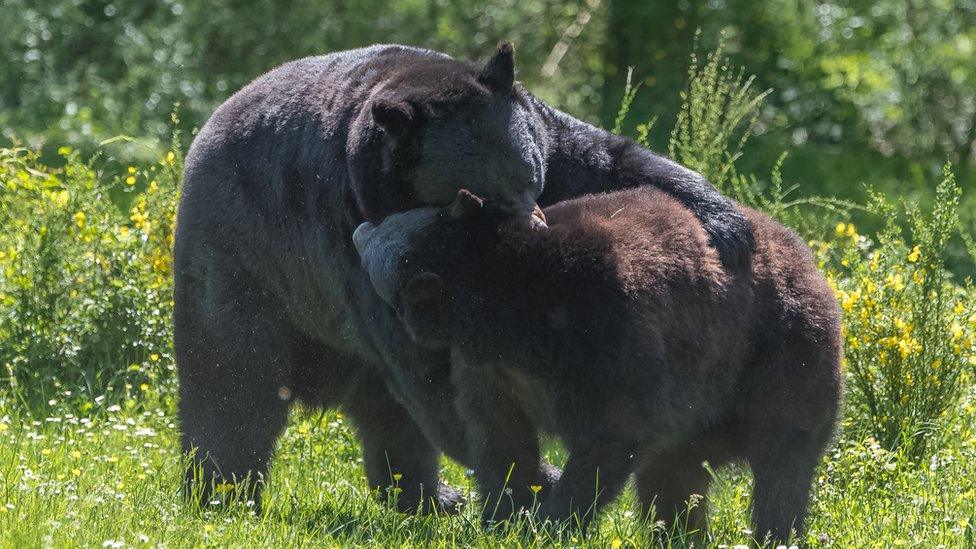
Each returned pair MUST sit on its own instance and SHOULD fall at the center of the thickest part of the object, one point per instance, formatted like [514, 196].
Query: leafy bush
[85, 274]
[909, 328]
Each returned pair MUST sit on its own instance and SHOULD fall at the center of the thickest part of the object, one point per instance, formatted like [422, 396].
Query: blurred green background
[879, 93]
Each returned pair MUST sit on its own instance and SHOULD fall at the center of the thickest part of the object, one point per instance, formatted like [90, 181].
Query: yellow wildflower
[914, 255]
[895, 282]
[616, 543]
[908, 346]
[397, 476]
[130, 180]
[170, 158]
[80, 219]
[959, 308]
[841, 229]
[535, 488]
[132, 169]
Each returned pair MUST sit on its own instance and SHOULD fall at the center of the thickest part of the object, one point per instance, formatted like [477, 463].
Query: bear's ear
[465, 205]
[424, 291]
[499, 72]
[396, 117]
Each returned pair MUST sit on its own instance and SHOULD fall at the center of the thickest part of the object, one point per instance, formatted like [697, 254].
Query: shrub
[909, 329]
[85, 274]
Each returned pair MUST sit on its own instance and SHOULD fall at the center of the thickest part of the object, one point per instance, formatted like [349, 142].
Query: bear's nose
[361, 235]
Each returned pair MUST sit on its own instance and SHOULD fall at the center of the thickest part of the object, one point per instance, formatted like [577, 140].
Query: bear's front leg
[400, 461]
[503, 443]
[595, 473]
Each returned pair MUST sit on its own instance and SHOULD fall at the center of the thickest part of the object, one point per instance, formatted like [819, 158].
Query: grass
[110, 477]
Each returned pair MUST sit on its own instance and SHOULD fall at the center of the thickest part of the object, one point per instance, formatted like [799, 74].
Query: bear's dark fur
[271, 304]
[617, 328]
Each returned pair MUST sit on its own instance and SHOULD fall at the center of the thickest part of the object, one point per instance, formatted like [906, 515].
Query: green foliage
[84, 279]
[910, 331]
[718, 110]
[78, 72]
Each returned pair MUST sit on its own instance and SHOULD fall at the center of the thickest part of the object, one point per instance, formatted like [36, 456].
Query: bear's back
[654, 239]
[660, 247]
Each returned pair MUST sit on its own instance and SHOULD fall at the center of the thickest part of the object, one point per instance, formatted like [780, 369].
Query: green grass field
[110, 477]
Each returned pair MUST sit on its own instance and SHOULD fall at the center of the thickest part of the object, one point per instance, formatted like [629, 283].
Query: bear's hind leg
[791, 413]
[783, 474]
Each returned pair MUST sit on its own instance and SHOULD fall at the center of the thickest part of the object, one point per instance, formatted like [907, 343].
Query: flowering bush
[85, 274]
[909, 329]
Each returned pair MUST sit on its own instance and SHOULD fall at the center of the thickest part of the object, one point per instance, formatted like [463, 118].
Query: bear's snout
[361, 235]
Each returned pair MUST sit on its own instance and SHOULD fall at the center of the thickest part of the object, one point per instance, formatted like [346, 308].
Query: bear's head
[420, 261]
[436, 124]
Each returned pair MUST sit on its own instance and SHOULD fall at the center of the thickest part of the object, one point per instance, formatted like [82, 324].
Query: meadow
[90, 455]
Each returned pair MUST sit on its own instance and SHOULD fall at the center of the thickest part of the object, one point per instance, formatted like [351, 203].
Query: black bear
[616, 327]
[271, 304]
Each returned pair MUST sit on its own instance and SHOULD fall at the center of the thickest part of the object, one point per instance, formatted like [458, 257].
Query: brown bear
[615, 326]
